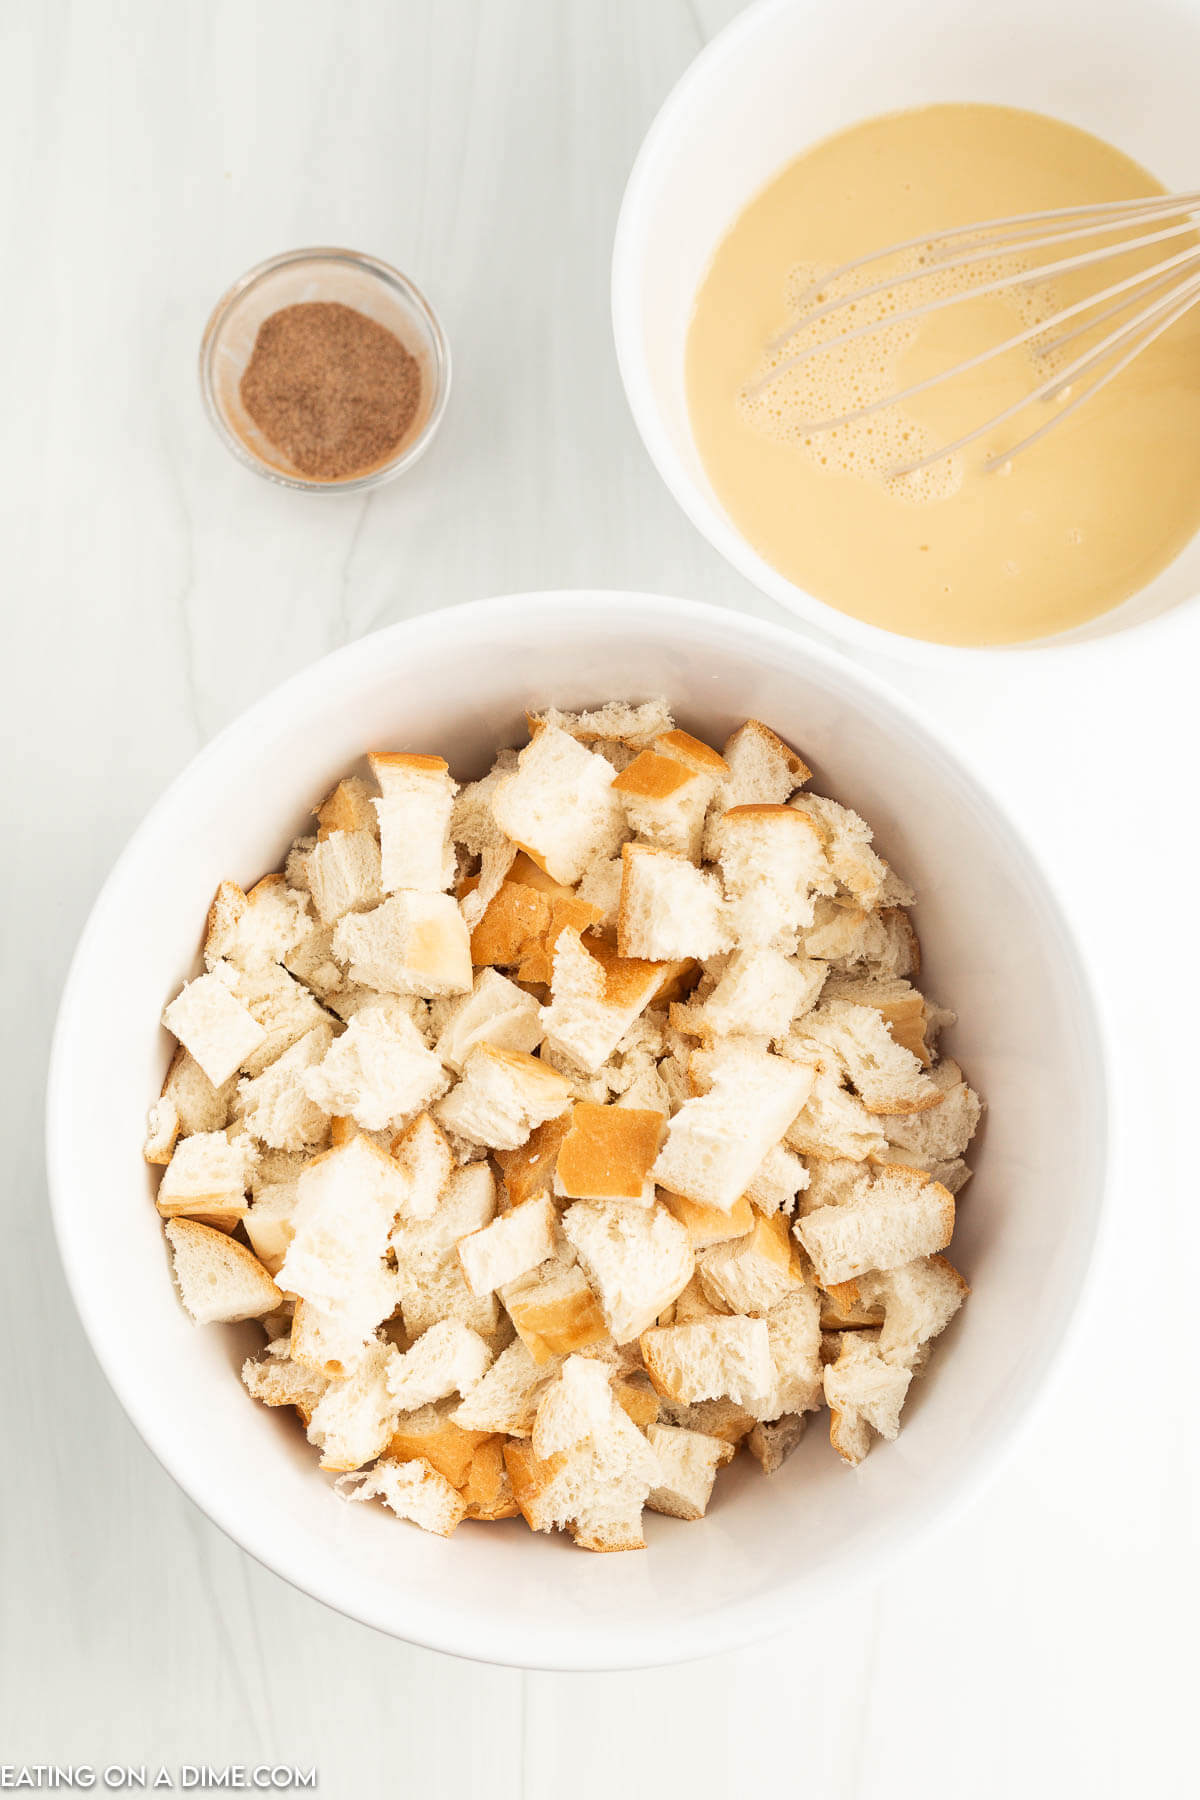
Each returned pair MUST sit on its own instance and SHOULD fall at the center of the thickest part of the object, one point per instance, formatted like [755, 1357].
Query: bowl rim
[705, 513]
[412, 449]
[508, 1642]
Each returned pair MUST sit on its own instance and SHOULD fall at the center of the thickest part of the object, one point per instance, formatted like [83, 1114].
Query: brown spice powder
[333, 390]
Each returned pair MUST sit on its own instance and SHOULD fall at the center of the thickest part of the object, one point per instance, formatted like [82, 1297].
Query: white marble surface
[152, 589]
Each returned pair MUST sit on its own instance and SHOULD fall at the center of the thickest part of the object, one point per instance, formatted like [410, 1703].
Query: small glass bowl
[363, 282]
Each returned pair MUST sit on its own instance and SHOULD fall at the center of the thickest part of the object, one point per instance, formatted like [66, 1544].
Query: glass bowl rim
[389, 276]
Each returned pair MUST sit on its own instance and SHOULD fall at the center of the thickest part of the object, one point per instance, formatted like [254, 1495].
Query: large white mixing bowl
[996, 945]
[787, 73]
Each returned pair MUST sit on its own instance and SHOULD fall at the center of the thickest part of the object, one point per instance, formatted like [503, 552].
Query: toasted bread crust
[512, 927]
[528, 873]
[410, 760]
[225, 909]
[529, 1170]
[447, 1447]
[792, 759]
[767, 809]
[637, 1402]
[523, 922]
[653, 777]
[608, 1152]
[566, 914]
[486, 1490]
[592, 1541]
[843, 1308]
[898, 915]
[690, 750]
[346, 808]
[708, 1225]
[561, 1326]
[530, 1475]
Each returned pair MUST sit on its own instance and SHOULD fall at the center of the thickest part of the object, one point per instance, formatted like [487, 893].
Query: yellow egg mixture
[955, 553]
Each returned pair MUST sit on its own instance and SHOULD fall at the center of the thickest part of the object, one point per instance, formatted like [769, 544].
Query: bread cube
[688, 1462]
[752, 1274]
[760, 992]
[447, 1359]
[514, 1244]
[554, 1311]
[344, 874]
[274, 1379]
[834, 1123]
[379, 1070]
[346, 1201]
[665, 802]
[497, 1012]
[794, 1343]
[355, 1416]
[414, 808]
[941, 1132]
[597, 1485]
[710, 1359]
[669, 909]
[255, 928]
[412, 1490]
[349, 807]
[219, 1280]
[596, 995]
[889, 1078]
[864, 1393]
[506, 1399]
[855, 866]
[636, 1259]
[206, 1178]
[413, 943]
[216, 1030]
[716, 1141]
[430, 1432]
[773, 864]
[780, 1177]
[425, 1162]
[773, 1440]
[429, 1274]
[902, 1216]
[919, 1299]
[616, 722]
[763, 769]
[277, 1107]
[528, 1170]
[608, 1153]
[708, 1225]
[559, 805]
[268, 1223]
[502, 1095]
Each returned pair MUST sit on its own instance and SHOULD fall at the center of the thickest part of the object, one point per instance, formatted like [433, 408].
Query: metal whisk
[1147, 302]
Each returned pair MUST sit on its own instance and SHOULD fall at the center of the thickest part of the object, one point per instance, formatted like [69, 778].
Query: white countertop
[153, 589]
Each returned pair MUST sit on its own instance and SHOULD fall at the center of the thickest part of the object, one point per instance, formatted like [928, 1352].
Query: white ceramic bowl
[787, 73]
[996, 947]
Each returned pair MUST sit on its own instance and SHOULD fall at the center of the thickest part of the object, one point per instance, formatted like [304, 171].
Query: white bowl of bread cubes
[578, 1108]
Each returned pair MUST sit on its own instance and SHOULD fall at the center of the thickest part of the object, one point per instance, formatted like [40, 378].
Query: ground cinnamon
[331, 389]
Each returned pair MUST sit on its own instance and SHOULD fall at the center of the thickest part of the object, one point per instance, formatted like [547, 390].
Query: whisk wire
[1151, 287]
[1067, 266]
[1173, 268]
[1062, 379]
[1129, 211]
[1157, 312]
[1185, 304]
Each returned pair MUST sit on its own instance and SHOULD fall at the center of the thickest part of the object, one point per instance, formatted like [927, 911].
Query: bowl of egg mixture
[943, 514]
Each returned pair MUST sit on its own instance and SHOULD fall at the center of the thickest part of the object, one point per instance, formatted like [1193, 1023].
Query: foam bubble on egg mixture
[812, 371]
